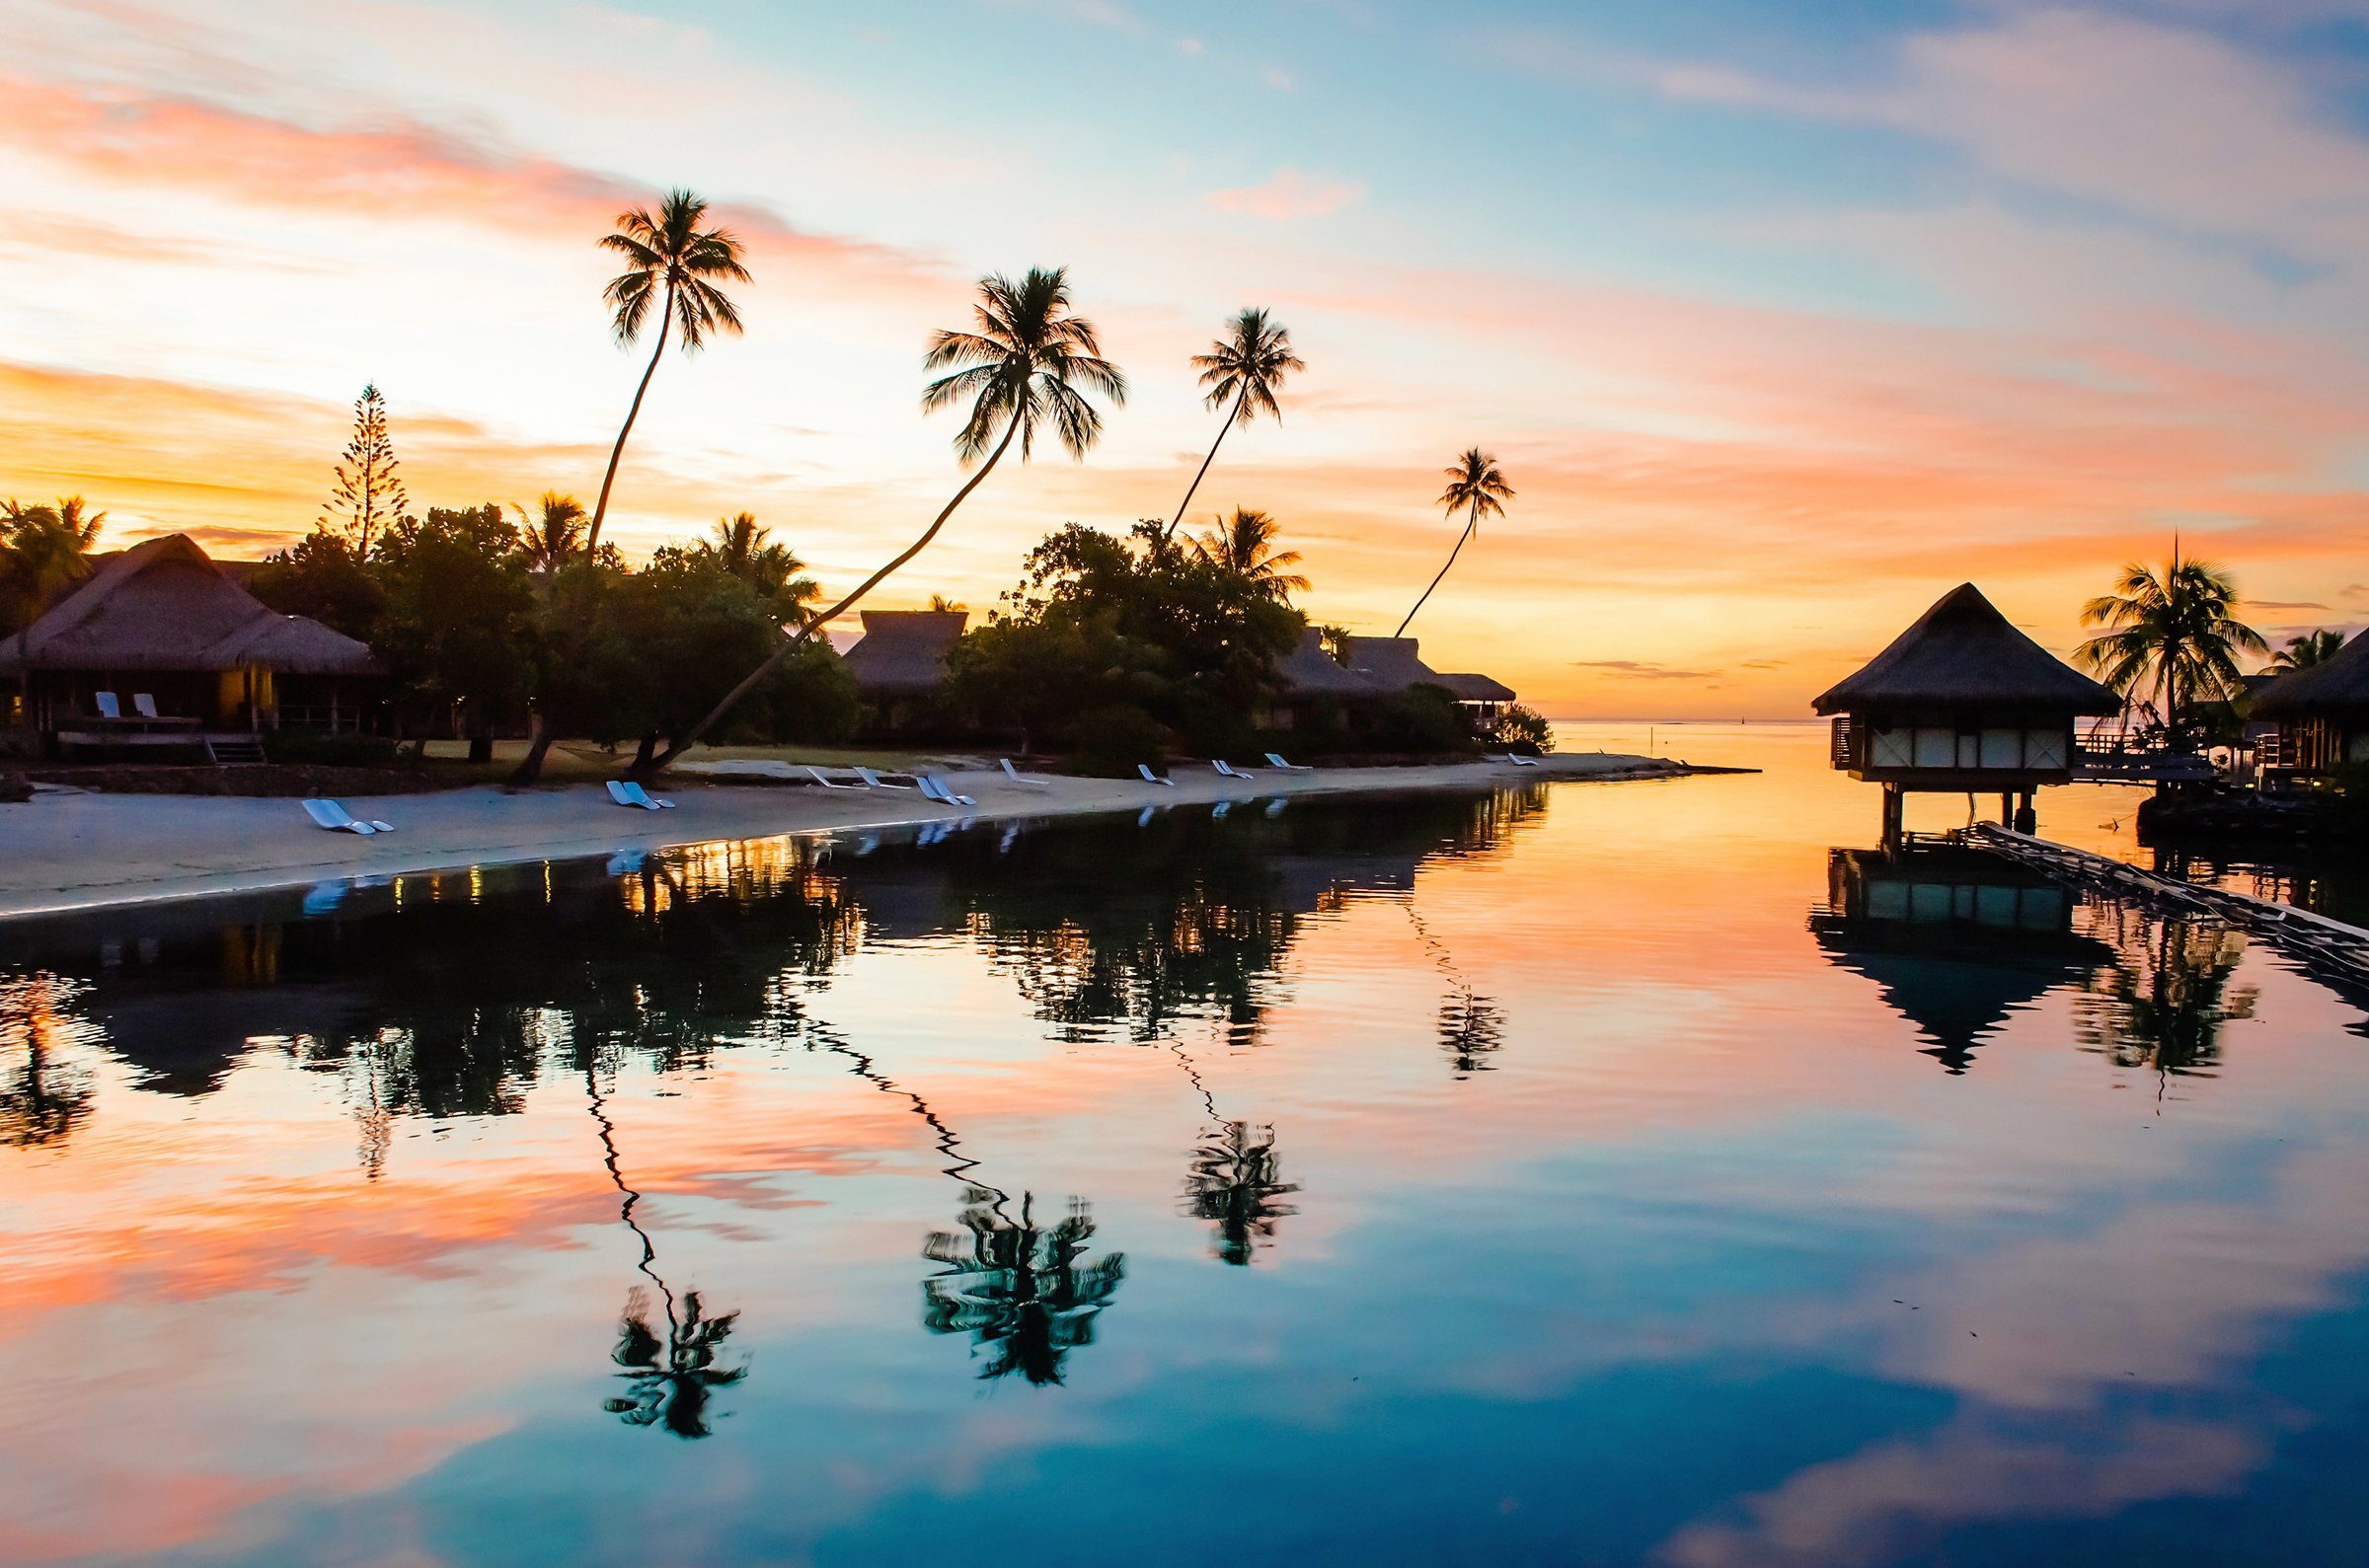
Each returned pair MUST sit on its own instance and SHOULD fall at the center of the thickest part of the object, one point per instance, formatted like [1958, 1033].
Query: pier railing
[1844, 748]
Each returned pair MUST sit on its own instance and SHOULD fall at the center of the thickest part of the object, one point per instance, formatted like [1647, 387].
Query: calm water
[1582, 1173]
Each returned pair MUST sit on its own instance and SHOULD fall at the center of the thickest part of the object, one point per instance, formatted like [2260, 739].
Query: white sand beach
[69, 850]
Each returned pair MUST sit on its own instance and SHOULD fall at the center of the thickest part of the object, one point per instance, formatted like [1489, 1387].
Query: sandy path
[71, 850]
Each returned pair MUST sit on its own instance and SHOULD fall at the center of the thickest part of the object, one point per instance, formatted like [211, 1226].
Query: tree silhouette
[2171, 640]
[1235, 1184]
[1475, 485]
[368, 494]
[1248, 365]
[1024, 1294]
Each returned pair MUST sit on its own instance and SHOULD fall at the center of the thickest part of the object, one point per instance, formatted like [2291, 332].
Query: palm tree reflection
[1026, 1295]
[1236, 1182]
[2161, 1005]
[670, 1379]
[40, 1101]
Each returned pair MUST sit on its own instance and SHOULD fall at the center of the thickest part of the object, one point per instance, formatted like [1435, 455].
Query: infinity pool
[1586, 1173]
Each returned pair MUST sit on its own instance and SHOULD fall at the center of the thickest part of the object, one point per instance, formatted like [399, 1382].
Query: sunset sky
[1782, 319]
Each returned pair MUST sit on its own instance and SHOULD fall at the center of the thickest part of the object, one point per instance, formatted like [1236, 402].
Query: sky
[1782, 319]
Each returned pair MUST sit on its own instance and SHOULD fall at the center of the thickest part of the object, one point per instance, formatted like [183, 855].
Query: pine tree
[368, 496]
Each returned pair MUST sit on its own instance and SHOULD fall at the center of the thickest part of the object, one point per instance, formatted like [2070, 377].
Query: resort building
[2320, 714]
[1393, 664]
[1314, 690]
[1962, 704]
[158, 646]
[899, 665]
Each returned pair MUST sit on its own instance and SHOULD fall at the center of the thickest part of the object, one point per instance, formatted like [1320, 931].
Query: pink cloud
[1286, 195]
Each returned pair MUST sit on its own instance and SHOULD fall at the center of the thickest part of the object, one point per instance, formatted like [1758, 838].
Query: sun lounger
[1274, 760]
[937, 789]
[642, 798]
[874, 780]
[626, 794]
[1012, 774]
[829, 783]
[109, 705]
[1226, 770]
[144, 705]
[1149, 777]
[337, 819]
[1520, 761]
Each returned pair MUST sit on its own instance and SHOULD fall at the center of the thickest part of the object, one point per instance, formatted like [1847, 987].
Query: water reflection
[41, 1098]
[1236, 1184]
[1026, 1294]
[670, 1378]
[1956, 940]
[2163, 1001]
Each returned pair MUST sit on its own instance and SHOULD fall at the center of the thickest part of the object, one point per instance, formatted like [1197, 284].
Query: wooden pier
[2296, 930]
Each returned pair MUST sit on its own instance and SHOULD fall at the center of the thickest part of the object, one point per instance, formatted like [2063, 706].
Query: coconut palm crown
[2309, 648]
[1247, 365]
[2171, 640]
[1245, 543]
[672, 264]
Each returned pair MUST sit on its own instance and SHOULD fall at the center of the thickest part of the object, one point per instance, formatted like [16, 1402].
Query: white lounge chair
[829, 783]
[626, 794]
[110, 707]
[1274, 760]
[1012, 774]
[639, 796]
[1226, 770]
[937, 789]
[144, 705]
[1520, 761]
[1149, 777]
[337, 819]
[876, 782]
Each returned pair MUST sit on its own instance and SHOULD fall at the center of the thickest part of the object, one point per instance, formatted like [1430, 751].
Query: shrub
[1523, 729]
[1421, 718]
[1108, 742]
[310, 748]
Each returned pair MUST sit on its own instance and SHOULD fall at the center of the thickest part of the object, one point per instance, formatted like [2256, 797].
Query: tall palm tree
[669, 259]
[1476, 486]
[555, 534]
[2171, 640]
[2307, 649]
[1248, 365]
[43, 549]
[1022, 368]
[1245, 543]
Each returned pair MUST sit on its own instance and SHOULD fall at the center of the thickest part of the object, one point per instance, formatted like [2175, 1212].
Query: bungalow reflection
[1956, 940]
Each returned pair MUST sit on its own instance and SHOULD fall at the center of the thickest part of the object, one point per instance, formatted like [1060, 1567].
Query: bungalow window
[2043, 748]
[1936, 748]
[2003, 747]
[1893, 748]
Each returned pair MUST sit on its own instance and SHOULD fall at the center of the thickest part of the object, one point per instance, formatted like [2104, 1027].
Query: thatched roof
[1469, 688]
[1963, 653]
[903, 652]
[164, 605]
[1309, 671]
[1391, 663]
[2342, 682]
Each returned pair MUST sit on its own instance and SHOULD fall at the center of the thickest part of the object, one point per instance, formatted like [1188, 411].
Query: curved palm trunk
[1170, 531]
[600, 508]
[1468, 526]
[691, 737]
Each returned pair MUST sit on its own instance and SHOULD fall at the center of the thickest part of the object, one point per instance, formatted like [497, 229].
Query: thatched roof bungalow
[163, 621]
[1962, 702]
[2321, 712]
[1393, 664]
[899, 663]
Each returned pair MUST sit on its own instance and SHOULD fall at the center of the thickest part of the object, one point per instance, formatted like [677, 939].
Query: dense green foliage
[43, 549]
[1523, 729]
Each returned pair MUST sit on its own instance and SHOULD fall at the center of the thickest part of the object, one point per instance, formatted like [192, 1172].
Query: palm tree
[1248, 365]
[2170, 641]
[740, 547]
[1021, 369]
[670, 259]
[1475, 485]
[2312, 647]
[1245, 543]
[555, 534]
[43, 549]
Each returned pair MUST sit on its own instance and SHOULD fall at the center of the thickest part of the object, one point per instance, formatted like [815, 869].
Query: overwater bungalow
[2320, 714]
[899, 665]
[182, 655]
[1961, 703]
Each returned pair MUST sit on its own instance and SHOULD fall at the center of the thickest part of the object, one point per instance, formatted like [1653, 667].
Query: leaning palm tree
[2171, 640]
[1245, 544]
[669, 259]
[555, 534]
[1476, 486]
[1248, 365]
[2306, 651]
[1022, 369]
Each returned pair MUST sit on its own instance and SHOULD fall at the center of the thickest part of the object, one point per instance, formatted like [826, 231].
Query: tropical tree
[368, 496]
[1477, 488]
[2170, 641]
[2309, 648]
[1247, 365]
[1022, 369]
[555, 534]
[669, 261]
[1245, 543]
[741, 546]
[43, 549]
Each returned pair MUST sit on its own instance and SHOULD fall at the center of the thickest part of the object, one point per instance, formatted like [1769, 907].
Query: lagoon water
[1589, 1174]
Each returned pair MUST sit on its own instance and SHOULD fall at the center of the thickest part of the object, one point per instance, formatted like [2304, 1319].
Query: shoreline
[159, 848]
